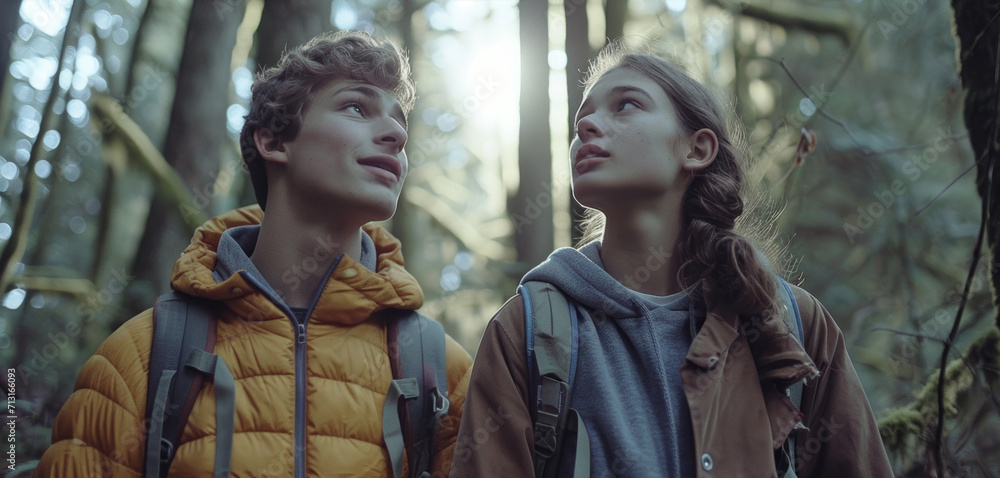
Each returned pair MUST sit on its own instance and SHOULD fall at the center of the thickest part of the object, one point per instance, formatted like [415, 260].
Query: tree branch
[793, 15]
[462, 230]
[168, 183]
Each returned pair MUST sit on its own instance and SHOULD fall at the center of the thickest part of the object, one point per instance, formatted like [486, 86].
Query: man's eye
[355, 107]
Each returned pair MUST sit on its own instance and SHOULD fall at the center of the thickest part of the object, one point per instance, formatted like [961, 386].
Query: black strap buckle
[545, 440]
[439, 402]
[552, 395]
[166, 451]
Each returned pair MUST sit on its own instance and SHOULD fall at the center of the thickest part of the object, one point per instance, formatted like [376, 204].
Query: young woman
[684, 357]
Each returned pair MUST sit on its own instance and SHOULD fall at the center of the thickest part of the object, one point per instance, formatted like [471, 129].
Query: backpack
[552, 337]
[182, 359]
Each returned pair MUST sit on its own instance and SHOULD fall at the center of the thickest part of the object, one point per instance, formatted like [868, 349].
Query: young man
[298, 291]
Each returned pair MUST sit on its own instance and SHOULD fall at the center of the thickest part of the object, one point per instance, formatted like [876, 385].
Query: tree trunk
[532, 206]
[615, 13]
[978, 31]
[8, 30]
[578, 52]
[196, 134]
[283, 26]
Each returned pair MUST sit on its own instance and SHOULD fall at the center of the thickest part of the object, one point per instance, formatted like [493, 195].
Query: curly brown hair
[280, 95]
[720, 244]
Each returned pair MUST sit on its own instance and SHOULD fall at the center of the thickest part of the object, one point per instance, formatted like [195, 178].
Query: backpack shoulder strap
[794, 319]
[551, 336]
[417, 355]
[180, 323]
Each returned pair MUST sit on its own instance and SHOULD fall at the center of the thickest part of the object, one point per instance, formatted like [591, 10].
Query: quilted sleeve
[100, 429]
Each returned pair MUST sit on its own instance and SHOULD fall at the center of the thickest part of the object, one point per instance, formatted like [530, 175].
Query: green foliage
[905, 430]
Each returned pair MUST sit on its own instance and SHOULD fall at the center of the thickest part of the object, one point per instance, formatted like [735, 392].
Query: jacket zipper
[300, 400]
[300, 374]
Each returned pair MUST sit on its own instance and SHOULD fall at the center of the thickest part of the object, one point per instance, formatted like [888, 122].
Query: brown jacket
[735, 375]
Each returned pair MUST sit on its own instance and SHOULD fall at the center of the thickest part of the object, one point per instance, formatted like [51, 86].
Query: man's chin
[382, 211]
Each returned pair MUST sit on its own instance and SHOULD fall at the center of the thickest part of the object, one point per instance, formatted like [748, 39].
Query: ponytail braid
[710, 249]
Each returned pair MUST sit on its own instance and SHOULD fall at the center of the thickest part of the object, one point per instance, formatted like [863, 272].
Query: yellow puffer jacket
[99, 431]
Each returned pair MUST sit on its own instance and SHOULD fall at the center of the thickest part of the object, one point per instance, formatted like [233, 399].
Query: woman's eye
[627, 104]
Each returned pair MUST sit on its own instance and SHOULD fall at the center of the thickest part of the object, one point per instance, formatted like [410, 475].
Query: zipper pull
[302, 333]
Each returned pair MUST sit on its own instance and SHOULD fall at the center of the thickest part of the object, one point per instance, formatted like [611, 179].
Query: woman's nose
[589, 127]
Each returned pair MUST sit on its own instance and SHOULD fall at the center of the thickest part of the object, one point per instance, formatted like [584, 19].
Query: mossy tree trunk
[978, 30]
[195, 138]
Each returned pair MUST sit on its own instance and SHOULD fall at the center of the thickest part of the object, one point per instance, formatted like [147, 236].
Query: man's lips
[385, 166]
[588, 156]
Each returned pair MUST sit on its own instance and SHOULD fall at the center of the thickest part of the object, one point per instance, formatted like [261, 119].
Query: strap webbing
[581, 466]
[225, 405]
[416, 347]
[553, 330]
[153, 440]
[794, 319]
[181, 323]
[549, 325]
[392, 430]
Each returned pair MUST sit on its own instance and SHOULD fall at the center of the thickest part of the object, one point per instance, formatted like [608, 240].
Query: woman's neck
[293, 255]
[639, 250]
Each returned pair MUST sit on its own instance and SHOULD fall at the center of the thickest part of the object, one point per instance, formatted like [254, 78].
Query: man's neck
[294, 255]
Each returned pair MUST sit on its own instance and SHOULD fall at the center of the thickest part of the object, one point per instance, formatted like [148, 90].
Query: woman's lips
[588, 157]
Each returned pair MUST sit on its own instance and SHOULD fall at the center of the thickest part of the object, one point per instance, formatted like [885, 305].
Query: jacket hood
[350, 295]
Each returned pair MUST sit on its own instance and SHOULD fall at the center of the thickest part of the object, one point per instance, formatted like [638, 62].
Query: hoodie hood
[580, 274]
[350, 295]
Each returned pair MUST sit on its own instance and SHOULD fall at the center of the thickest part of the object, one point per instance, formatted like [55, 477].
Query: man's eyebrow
[375, 95]
[618, 90]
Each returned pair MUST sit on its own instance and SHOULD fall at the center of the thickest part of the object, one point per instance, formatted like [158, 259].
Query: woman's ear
[703, 145]
[270, 146]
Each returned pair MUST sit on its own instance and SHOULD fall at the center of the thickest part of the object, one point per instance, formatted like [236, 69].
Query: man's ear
[271, 147]
[703, 147]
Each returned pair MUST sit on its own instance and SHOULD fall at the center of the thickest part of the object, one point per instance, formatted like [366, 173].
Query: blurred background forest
[118, 136]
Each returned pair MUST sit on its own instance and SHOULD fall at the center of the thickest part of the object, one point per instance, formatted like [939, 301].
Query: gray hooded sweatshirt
[627, 385]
